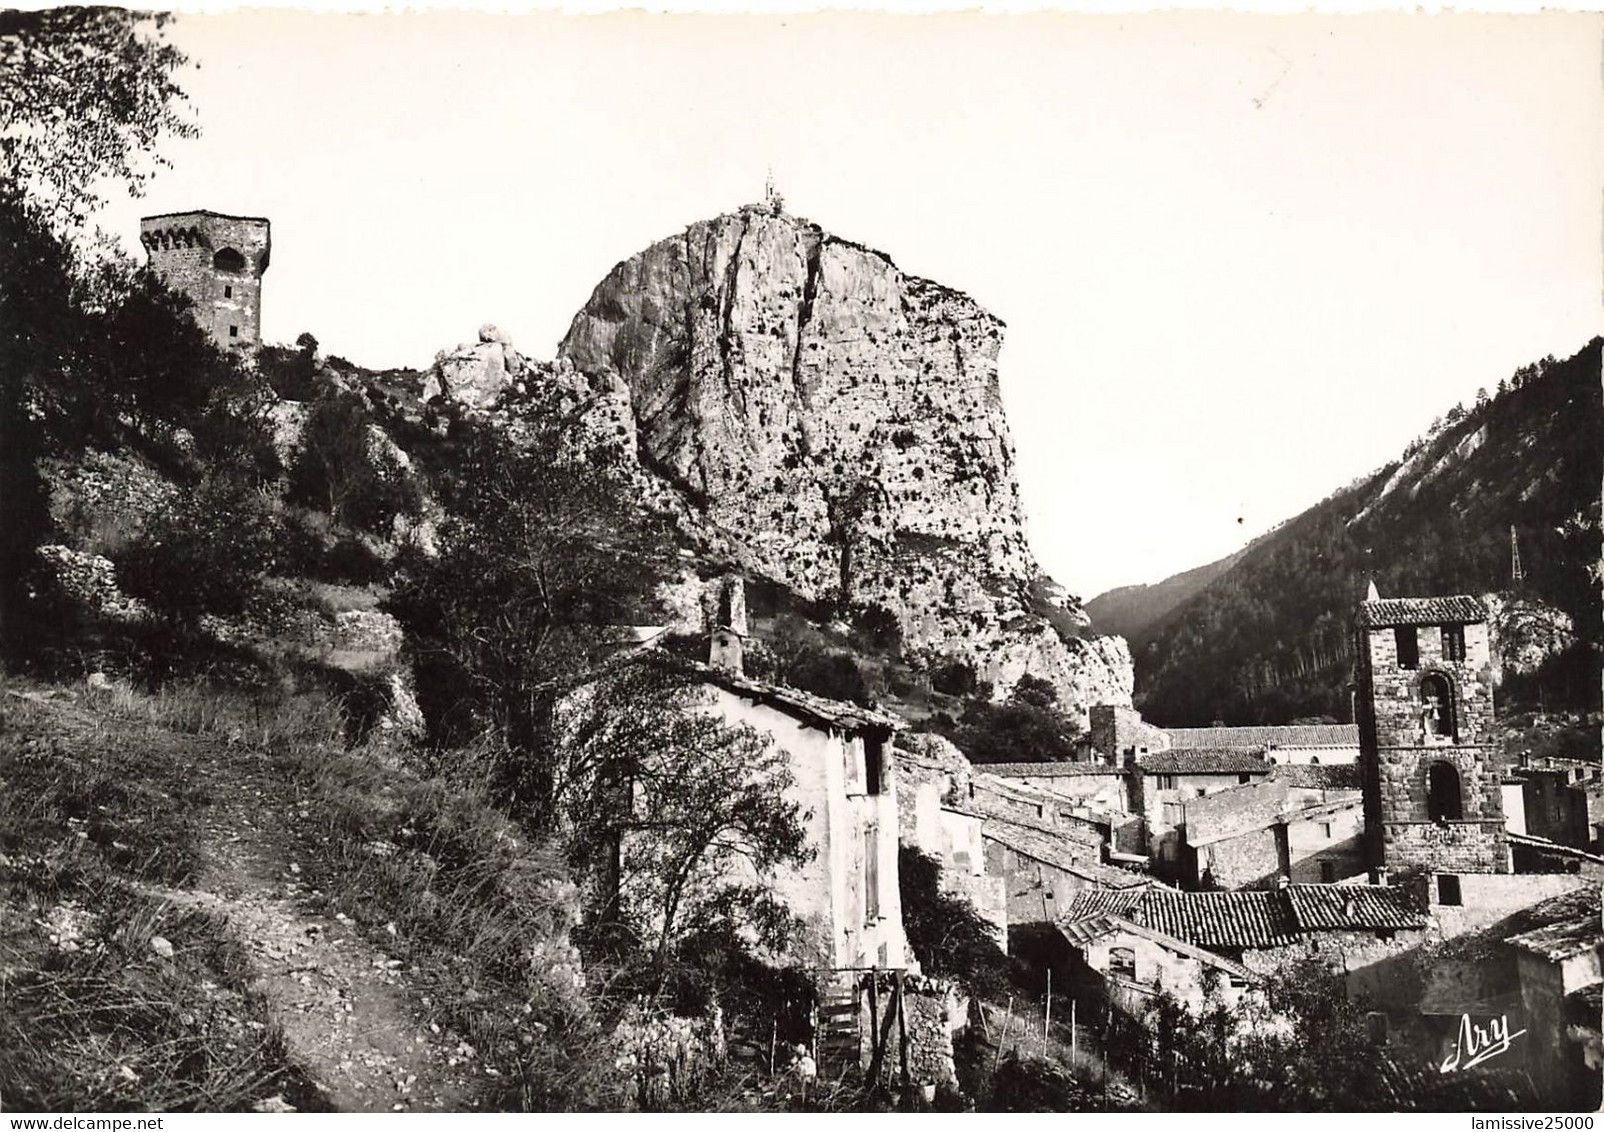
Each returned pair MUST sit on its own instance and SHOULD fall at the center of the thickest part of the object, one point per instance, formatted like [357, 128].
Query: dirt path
[338, 997]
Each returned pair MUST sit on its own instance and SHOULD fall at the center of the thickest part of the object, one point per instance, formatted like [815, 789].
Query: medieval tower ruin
[218, 262]
[1424, 706]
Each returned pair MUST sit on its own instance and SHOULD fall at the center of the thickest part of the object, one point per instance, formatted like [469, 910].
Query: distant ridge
[1263, 636]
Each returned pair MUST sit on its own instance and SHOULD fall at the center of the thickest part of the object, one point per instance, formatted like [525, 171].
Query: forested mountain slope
[1268, 639]
[1131, 611]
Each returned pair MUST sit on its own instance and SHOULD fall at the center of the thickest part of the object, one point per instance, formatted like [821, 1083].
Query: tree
[693, 808]
[85, 93]
[946, 934]
[543, 557]
[341, 468]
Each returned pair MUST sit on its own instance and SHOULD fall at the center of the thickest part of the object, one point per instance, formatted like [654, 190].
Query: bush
[1023, 730]
[953, 677]
[835, 676]
[206, 552]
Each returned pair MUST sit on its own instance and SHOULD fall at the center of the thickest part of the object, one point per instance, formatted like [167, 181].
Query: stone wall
[1117, 729]
[183, 248]
[1335, 838]
[934, 1011]
[1469, 846]
[1249, 859]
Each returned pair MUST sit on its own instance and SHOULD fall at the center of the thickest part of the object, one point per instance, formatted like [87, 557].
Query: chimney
[729, 626]
[1372, 594]
[1348, 908]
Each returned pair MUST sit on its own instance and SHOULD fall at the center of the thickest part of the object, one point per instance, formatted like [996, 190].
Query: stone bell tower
[218, 261]
[1424, 706]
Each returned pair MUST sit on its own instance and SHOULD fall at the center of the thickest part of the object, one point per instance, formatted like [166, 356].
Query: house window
[1166, 782]
[1325, 830]
[1243, 779]
[233, 332]
[228, 260]
[1122, 963]
[874, 757]
[1201, 791]
[228, 292]
[1442, 793]
[1408, 646]
[871, 875]
[1448, 890]
[1453, 642]
[1328, 872]
[1376, 1024]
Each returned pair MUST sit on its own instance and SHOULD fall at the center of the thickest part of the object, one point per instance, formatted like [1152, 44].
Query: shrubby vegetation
[945, 933]
[1028, 727]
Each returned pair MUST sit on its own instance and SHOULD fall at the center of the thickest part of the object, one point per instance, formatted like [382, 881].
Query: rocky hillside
[823, 420]
[1266, 640]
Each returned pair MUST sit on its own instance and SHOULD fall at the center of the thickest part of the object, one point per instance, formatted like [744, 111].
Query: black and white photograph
[799, 561]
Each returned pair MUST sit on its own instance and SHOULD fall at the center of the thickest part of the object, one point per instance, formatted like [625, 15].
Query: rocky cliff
[834, 424]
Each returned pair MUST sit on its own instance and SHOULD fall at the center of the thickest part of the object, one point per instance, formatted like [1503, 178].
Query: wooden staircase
[835, 1031]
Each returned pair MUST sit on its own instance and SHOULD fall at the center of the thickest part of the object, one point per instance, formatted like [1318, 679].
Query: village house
[1256, 835]
[931, 776]
[1118, 732]
[1042, 870]
[1256, 932]
[1318, 744]
[1126, 965]
[1534, 973]
[1163, 782]
[841, 757]
[1561, 800]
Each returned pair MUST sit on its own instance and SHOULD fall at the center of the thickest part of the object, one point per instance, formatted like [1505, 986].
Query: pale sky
[1243, 259]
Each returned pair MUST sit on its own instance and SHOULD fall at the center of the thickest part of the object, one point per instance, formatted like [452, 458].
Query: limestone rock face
[834, 424]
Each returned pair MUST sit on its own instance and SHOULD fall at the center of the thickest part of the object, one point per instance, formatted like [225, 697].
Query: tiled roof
[799, 704]
[1455, 610]
[1295, 735]
[1082, 932]
[1317, 907]
[1226, 760]
[1247, 919]
[1088, 903]
[1254, 918]
[1561, 927]
[1336, 776]
[1046, 770]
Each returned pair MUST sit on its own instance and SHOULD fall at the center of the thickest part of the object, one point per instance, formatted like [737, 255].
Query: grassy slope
[93, 1016]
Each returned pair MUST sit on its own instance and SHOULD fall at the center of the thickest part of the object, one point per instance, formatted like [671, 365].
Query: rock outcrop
[834, 424]
[476, 373]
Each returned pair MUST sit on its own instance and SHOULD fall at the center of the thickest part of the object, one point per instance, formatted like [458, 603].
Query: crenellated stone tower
[1424, 706]
[218, 262]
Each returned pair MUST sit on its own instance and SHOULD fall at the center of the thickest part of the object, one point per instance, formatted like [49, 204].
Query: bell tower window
[1408, 642]
[1437, 707]
[1442, 793]
[1453, 642]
